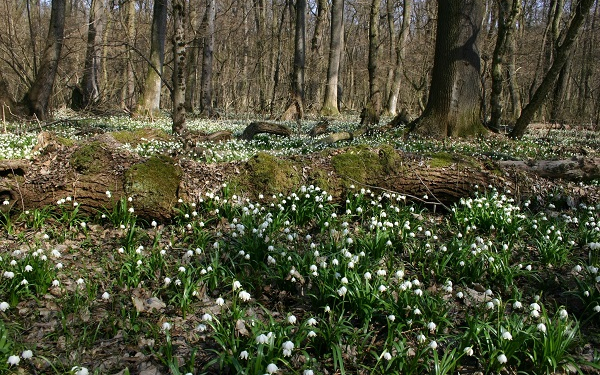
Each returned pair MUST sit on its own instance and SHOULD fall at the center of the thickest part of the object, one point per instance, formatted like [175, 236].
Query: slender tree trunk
[32, 36]
[36, 100]
[330, 104]
[587, 66]
[513, 85]
[149, 103]
[179, 126]
[261, 74]
[562, 55]
[315, 44]
[400, 49]
[128, 91]
[296, 106]
[206, 99]
[90, 85]
[277, 61]
[454, 97]
[507, 18]
[193, 56]
[372, 111]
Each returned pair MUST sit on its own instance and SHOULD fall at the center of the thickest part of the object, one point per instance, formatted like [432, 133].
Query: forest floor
[299, 283]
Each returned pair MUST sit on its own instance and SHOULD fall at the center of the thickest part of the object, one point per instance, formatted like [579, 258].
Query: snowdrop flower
[28, 268]
[468, 351]
[342, 291]
[386, 355]
[105, 296]
[391, 317]
[4, 306]
[312, 334]
[244, 355]
[55, 283]
[489, 305]
[460, 295]
[344, 279]
[506, 335]
[433, 345]
[417, 311]
[421, 338]
[13, 360]
[431, 326]
[244, 296]
[517, 305]
[80, 370]
[201, 327]
[272, 368]
[535, 314]
[220, 301]
[541, 327]
[287, 347]
[24, 282]
[367, 275]
[236, 285]
[502, 359]
[166, 326]
[418, 292]
[27, 354]
[9, 274]
[167, 281]
[563, 314]
[308, 372]
[597, 308]
[291, 319]
[382, 288]
[535, 306]
[207, 317]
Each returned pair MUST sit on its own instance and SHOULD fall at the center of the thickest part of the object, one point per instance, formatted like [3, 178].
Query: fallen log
[262, 127]
[320, 127]
[574, 169]
[85, 171]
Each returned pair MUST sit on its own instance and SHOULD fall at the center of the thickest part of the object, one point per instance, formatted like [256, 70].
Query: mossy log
[265, 127]
[574, 169]
[85, 171]
[320, 127]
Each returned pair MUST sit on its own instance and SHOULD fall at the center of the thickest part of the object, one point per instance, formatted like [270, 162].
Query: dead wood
[575, 169]
[265, 127]
[320, 127]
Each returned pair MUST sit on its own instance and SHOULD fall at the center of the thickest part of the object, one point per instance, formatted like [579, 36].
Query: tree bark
[296, 107]
[206, 98]
[562, 55]
[149, 103]
[507, 19]
[454, 97]
[262, 127]
[179, 76]
[372, 110]
[128, 89]
[330, 104]
[400, 49]
[36, 100]
[90, 85]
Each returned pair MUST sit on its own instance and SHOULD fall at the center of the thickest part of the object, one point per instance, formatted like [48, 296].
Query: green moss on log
[365, 166]
[91, 158]
[267, 174]
[154, 185]
[138, 136]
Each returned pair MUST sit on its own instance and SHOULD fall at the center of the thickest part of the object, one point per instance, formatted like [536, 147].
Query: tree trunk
[179, 76]
[296, 107]
[36, 100]
[454, 97]
[513, 85]
[330, 104]
[149, 103]
[507, 19]
[128, 90]
[90, 86]
[193, 57]
[206, 99]
[400, 53]
[372, 110]
[562, 55]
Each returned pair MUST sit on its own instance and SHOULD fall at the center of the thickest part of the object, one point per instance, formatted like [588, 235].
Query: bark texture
[206, 100]
[90, 85]
[330, 104]
[454, 97]
[179, 77]
[37, 99]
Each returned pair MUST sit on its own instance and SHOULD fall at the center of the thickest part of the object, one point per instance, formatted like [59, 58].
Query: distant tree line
[514, 61]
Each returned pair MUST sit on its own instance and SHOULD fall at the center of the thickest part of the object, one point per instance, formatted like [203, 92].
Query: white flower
[460, 295]
[597, 308]
[80, 370]
[207, 317]
[13, 360]
[308, 372]
[502, 359]
[468, 351]
[24, 282]
[244, 296]
[55, 283]
[541, 327]
[312, 334]
[517, 305]
[9, 274]
[201, 327]
[535, 314]
[433, 345]
[27, 354]
[167, 281]
[563, 314]
[4, 306]
[272, 368]
[506, 335]
[291, 319]
[166, 326]
[382, 288]
[244, 355]
[344, 280]
[431, 326]
[237, 285]
[220, 301]
[489, 305]
[28, 268]
[386, 355]
[391, 317]
[367, 275]
[417, 311]
[535, 306]
[421, 338]
[105, 296]
[418, 292]
[342, 291]
[311, 322]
